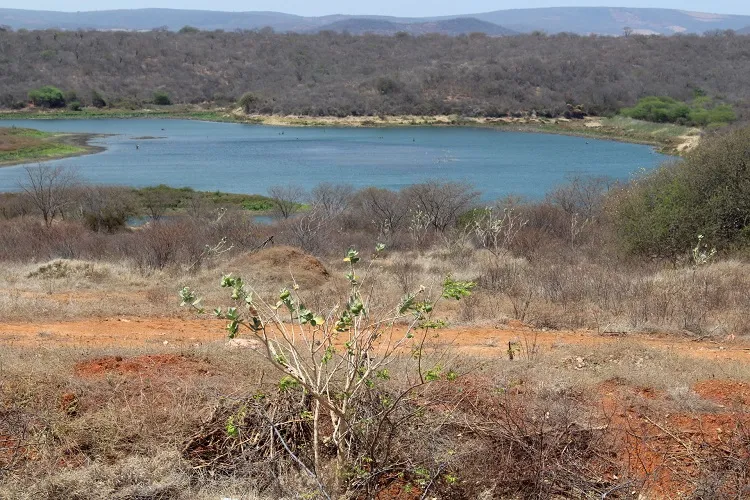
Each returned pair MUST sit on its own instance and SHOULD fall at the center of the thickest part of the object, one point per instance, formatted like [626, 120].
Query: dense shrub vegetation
[701, 112]
[662, 214]
[340, 74]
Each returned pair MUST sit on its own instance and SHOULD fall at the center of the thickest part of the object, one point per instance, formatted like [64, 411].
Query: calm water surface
[250, 158]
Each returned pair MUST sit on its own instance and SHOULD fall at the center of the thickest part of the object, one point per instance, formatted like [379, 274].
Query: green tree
[47, 97]
[161, 98]
[248, 102]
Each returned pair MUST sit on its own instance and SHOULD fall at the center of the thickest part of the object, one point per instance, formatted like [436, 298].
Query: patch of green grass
[25, 132]
[666, 136]
[640, 127]
[44, 151]
[179, 199]
[181, 112]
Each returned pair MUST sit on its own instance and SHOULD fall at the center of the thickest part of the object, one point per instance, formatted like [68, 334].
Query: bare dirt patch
[475, 341]
[161, 364]
[725, 392]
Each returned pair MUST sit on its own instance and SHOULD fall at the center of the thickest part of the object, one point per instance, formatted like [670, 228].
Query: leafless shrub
[440, 203]
[287, 200]
[332, 199]
[49, 189]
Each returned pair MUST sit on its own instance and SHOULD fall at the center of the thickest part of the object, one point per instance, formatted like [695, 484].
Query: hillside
[346, 75]
[744, 31]
[451, 27]
[580, 20]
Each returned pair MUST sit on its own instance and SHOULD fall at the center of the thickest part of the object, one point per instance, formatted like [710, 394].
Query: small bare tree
[287, 200]
[157, 200]
[332, 199]
[496, 228]
[385, 209]
[49, 189]
[441, 203]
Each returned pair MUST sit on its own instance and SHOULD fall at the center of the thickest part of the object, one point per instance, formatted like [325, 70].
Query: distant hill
[453, 27]
[744, 31]
[613, 20]
[147, 19]
[581, 20]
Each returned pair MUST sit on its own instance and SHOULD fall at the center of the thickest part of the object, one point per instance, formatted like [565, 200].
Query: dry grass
[120, 432]
[704, 302]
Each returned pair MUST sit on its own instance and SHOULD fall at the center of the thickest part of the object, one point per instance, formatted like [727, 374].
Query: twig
[432, 480]
[296, 458]
[616, 488]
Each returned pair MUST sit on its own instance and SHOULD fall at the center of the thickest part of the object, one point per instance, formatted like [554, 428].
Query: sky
[380, 7]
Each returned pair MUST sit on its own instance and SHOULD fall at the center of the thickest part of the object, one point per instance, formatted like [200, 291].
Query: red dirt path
[480, 341]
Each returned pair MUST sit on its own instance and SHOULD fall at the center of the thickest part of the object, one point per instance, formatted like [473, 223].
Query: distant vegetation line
[332, 74]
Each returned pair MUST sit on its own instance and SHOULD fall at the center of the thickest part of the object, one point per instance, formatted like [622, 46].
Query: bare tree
[49, 189]
[332, 199]
[384, 208]
[157, 201]
[287, 200]
[105, 208]
[581, 195]
[441, 203]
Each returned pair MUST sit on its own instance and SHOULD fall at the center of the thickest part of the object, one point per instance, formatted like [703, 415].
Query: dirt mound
[154, 365]
[281, 265]
[726, 392]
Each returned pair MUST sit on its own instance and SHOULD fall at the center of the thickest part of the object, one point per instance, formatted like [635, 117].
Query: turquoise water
[250, 158]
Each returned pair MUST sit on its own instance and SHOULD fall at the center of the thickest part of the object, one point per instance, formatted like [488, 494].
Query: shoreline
[667, 139]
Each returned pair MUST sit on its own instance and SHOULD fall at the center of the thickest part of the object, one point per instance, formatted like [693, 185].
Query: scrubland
[579, 362]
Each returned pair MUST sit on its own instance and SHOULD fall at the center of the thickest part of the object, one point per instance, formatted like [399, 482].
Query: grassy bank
[179, 201]
[668, 138]
[21, 145]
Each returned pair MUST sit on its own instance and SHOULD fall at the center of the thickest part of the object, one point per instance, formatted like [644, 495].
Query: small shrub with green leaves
[339, 355]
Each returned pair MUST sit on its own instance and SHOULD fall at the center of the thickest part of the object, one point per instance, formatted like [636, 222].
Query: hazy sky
[380, 7]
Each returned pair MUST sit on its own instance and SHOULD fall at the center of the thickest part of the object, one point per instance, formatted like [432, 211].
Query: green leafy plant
[702, 111]
[338, 355]
[47, 97]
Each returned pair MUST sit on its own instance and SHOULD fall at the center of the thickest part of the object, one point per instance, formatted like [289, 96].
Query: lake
[243, 158]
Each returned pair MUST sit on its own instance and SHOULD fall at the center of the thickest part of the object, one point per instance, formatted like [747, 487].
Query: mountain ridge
[452, 27]
[579, 20]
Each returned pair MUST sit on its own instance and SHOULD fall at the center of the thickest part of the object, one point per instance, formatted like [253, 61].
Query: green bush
[74, 106]
[97, 100]
[700, 112]
[248, 102]
[161, 98]
[708, 193]
[47, 97]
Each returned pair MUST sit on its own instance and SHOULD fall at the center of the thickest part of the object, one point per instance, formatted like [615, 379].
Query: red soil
[154, 365]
